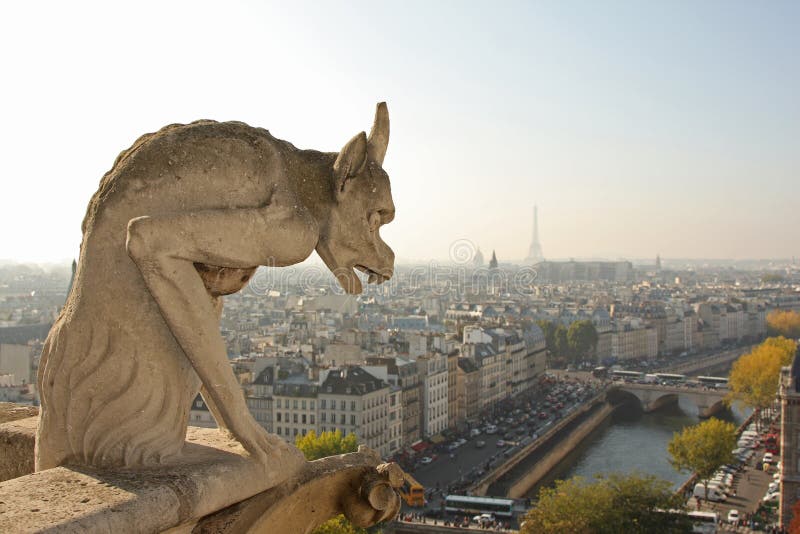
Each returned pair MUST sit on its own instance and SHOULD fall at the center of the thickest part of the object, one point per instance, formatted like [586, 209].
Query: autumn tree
[315, 447]
[582, 339]
[611, 504]
[784, 323]
[703, 448]
[794, 525]
[754, 377]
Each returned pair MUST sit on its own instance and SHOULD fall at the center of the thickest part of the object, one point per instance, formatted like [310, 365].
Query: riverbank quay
[522, 471]
[434, 526]
[686, 488]
[746, 495]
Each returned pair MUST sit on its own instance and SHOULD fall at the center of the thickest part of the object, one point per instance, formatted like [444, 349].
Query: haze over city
[637, 128]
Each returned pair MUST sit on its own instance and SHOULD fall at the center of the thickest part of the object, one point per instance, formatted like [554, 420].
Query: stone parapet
[215, 488]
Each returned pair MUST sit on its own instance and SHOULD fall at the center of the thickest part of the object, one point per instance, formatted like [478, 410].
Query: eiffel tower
[535, 254]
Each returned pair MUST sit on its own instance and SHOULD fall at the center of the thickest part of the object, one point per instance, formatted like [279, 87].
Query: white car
[733, 516]
[483, 518]
[768, 458]
[772, 497]
[773, 487]
[426, 460]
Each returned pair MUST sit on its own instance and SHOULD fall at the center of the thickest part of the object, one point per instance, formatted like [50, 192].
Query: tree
[754, 377]
[328, 444]
[549, 330]
[794, 525]
[703, 448]
[611, 504]
[561, 342]
[784, 323]
[771, 278]
[582, 339]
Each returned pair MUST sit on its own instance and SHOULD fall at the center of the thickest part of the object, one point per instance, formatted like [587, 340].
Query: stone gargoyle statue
[183, 217]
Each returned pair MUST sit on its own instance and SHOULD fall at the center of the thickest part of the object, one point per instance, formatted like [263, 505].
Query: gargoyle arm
[165, 248]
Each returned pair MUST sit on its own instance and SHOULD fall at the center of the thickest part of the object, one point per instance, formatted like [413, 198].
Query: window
[312, 419]
[278, 403]
[279, 416]
[294, 404]
[303, 404]
[312, 404]
[304, 419]
[322, 404]
[294, 417]
[353, 420]
[353, 405]
[295, 432]
[343, 405]
[279, 429]
[342, 419]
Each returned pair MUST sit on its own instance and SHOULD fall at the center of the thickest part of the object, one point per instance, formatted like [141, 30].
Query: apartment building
[432, 368]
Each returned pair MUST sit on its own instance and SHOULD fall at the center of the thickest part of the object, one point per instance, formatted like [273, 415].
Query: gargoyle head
[350, 238]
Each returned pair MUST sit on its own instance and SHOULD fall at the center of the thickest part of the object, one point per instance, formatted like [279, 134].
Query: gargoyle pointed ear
[379, 135]
[350, 162]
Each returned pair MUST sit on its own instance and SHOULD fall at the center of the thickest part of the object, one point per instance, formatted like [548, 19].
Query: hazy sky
[637, 127]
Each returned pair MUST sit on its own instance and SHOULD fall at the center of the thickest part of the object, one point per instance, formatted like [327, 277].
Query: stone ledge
[10, 411]
[17, 439]
[216, 489]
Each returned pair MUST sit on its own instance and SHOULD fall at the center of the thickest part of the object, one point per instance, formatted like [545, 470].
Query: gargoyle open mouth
[374, 277]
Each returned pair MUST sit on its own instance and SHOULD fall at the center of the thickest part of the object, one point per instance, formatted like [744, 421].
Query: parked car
[480, 444]
[733, 516]
[426, 460]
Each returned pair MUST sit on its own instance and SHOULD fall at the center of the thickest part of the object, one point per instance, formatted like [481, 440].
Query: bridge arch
[651, 397]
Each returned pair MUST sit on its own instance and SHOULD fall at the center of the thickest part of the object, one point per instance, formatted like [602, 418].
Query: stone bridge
[654, 396]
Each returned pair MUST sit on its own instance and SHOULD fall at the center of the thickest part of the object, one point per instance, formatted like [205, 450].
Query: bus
[713, 381]
[704, 522]
[600, 372]
[462, 504]
[412, 491]
[670, 377]
[626, 375]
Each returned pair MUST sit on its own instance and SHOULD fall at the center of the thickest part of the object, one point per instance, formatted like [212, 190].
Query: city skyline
[645, 129]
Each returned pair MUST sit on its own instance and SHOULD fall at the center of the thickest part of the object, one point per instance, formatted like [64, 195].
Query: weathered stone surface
[17, 439]
[349, 484]
[12, 412]
[185, 216]
[214, 475]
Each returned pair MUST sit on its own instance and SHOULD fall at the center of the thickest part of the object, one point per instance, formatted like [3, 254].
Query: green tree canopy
[611, 504]
[549, 330]
[703, 448]
[561, 342]
[326, 444]
[582, 339]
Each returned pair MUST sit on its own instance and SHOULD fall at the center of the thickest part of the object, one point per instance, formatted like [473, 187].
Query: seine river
[632, 441]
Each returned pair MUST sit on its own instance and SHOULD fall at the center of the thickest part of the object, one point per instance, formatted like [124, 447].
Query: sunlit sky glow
[637, 127]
